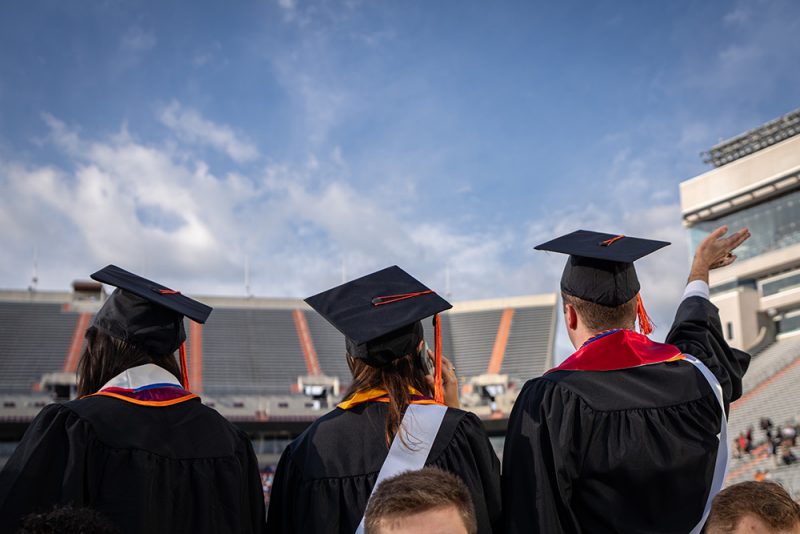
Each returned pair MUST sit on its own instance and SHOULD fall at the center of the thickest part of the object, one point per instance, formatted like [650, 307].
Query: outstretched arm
[697, 329]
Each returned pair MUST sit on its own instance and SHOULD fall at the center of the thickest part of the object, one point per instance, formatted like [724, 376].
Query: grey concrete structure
[756, 184]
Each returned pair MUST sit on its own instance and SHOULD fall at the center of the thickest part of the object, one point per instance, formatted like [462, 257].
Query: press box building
[755, 183]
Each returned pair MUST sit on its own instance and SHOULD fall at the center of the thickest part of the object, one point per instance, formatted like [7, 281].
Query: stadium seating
[771, 391]
[472, 336]
[255, 350]
[771, 360]
[528, 352]
[251, 351]
[329, 344]
[34, 339]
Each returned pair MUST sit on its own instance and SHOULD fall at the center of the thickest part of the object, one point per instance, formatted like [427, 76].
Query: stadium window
[9, 404]
[283, 405]
[790, 323]
[730, 329]
[782, 284]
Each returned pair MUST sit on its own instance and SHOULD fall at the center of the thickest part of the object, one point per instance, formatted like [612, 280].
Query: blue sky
[321, 139]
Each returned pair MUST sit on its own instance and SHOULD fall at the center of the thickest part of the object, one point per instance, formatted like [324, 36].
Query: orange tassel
[438, 389]
[645, 323]
[184, 368]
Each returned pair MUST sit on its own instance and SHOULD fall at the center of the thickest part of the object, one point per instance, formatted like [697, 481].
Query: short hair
[67, 519]
[598, 317]
[414, 492]
[766, 500]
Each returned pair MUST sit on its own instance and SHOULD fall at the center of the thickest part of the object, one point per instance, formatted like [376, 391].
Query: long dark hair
[105, 357]
[396, 377]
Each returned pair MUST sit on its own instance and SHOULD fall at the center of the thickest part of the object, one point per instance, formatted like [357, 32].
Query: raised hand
[716, 251]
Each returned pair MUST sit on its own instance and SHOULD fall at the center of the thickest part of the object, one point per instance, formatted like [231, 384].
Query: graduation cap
[379, 315]
[146, 314]
[600, 268]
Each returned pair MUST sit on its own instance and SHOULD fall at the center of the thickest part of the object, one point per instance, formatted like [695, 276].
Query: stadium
[269, 365]
[272, 366]
[756, 183]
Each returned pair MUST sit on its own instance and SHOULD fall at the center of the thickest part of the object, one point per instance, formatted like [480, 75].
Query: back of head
[598, 317]
[765, 503]
[104, 357]
[398, 499]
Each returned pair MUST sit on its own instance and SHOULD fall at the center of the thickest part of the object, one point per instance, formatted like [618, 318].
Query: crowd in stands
[267, 476]
[776, 441]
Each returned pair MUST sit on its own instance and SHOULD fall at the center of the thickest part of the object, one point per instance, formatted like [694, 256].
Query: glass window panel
[773, 225]
[789, 324]
[788, 282]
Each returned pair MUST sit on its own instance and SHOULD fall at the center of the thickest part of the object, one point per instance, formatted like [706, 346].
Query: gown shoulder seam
[703, 397]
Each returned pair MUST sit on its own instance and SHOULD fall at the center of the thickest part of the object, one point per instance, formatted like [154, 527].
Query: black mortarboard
[146, 314]
[600, 266]
[380, 313]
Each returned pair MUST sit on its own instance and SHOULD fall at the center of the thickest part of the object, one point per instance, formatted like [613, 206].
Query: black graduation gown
[631, 450]
[178, 468]
[325, 476]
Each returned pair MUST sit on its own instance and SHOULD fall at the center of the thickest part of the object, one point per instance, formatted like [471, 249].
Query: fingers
[716, 234]
[737, 239]
[448, 371]
[723, 262]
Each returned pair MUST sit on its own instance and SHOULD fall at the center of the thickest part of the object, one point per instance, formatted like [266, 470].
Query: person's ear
[570, 317]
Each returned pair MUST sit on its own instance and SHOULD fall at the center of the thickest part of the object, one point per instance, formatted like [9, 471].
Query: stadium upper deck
[756, 183]
[254, 356]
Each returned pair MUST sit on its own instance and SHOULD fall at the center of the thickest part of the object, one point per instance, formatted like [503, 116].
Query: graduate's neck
[578, 331]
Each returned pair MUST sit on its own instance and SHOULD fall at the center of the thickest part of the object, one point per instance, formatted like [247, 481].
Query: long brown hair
[396, 377]
[105, 357]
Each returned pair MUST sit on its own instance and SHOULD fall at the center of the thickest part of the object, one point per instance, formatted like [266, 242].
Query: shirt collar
[142, 375]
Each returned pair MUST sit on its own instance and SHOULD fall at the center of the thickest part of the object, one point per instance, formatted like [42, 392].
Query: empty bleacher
[529, 349]
[473, 335]
[771, 360]
[34, 339]
[251, 348]
[447, 338]
[251, 351]
[329, 344]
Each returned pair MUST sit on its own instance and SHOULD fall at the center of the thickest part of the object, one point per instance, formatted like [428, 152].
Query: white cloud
[137, 39]
[757, 54]
[739, 16]
[191, 127]
[157, 209]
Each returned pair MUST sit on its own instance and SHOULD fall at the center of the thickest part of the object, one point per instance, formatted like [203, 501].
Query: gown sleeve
[470, 456]
[697, 330]
[548, 432]
[48, 467]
